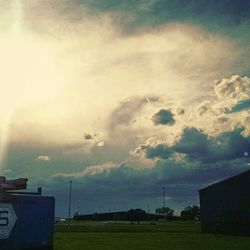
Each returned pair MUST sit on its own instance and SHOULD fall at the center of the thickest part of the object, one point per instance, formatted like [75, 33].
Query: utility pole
[70, 194]
[164, 200]
[148, 209]
[164, 196]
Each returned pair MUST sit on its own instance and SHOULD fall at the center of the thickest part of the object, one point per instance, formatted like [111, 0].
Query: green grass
[124, 236]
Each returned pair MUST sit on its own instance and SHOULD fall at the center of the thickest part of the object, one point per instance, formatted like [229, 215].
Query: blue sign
[26, 222]
[7, 220]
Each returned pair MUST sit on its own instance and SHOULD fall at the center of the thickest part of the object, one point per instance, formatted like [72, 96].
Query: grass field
[145, 236]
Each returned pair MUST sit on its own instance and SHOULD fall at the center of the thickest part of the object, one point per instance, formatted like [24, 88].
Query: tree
[191, 213]
[136, 215]
[165, 210]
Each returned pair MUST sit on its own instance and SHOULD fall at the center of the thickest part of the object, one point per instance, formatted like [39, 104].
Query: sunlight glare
[29, 73]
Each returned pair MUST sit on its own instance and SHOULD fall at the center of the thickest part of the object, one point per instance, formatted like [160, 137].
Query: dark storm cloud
[160, 150]
[155, 12]
[123, 185]
[163, 117]
[175, 8]
[196, 145]
[227, 146]
[193, 162]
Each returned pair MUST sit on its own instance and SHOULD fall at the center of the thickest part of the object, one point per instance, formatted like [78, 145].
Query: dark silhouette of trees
[191, 213]
[168, 212]
[136, 215]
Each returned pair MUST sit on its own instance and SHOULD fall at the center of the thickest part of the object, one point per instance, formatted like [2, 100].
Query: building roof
[226, 180]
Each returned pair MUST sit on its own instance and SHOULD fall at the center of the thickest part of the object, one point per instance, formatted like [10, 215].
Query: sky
[123, 98]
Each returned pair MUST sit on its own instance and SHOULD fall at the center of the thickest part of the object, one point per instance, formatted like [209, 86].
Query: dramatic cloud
[213, 14]
[196, 145]
[183, 179]
[233, 90]
[163, 117]
[183, 158]
[140, 64]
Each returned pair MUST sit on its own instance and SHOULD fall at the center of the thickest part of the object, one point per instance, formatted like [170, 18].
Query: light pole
[148, 209]
[164, 196]
[164, 199]
[70, 194]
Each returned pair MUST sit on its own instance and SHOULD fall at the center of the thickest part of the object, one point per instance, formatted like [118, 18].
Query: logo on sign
[7, 220]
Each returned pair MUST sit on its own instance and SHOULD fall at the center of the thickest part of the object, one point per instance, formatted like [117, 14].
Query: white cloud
[233, 90]
[88, 171]
[43, 158]
[100, 169]
[235, 87]
[100, 144]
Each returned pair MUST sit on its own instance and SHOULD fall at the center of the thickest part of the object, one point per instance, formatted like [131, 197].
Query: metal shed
[225, 206]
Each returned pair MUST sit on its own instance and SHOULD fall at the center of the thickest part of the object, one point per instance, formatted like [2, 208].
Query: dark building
[225, 206]
[131, 215]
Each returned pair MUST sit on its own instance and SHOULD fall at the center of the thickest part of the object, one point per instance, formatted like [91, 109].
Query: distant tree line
[168, 212]
[137, 215]
[188, 213]
[191, 213]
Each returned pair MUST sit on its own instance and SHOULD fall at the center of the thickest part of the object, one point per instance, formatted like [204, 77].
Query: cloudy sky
[123, 97]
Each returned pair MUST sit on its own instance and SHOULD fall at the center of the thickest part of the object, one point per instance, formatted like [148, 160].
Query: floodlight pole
[164, 196]
[164, 199]
[70, 195]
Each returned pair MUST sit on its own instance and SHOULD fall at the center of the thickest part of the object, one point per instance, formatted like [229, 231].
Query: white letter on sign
[7, 220]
